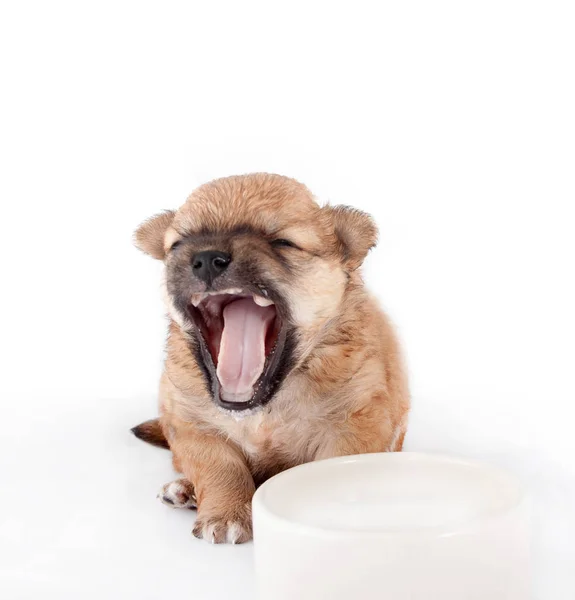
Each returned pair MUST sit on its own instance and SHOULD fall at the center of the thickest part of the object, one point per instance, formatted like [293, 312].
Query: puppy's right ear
[149, 237]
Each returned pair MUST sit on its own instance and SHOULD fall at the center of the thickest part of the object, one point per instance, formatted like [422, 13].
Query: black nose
[209, 264]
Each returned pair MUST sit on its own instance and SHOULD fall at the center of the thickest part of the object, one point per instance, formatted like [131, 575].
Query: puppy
[276, 353]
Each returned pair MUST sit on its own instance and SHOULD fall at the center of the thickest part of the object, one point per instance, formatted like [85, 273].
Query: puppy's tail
[151, 432]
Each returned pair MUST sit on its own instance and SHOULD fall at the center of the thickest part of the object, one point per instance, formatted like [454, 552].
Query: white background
[451, 122]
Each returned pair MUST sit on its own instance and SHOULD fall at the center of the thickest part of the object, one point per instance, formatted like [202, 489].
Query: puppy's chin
[243, 346]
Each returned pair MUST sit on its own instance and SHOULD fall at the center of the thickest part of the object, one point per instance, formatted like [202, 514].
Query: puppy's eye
[281, 243]
[175, 245]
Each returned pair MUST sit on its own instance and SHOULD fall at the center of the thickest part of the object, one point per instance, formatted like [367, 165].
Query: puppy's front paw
[178, 494]
[232, 526]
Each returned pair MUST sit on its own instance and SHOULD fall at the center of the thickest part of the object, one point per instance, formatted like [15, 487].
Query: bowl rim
[261, 507]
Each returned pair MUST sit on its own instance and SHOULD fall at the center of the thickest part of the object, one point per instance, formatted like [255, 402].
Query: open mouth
[242, 339]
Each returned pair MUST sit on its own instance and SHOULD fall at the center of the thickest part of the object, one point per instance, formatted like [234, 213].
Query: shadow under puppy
[276, 354]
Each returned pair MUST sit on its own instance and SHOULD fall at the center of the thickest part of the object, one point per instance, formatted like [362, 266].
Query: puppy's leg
[222, 481]
[398, 446]
[176, 464]
[178, 494]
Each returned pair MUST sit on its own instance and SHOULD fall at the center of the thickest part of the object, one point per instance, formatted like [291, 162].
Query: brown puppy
[276, 354]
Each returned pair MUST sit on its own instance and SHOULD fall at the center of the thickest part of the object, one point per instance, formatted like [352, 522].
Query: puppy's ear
[149, 237]
[356, 232]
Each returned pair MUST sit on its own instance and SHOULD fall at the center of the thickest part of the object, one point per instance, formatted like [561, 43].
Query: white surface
[79, 514]
[396, 526]
[451, 122]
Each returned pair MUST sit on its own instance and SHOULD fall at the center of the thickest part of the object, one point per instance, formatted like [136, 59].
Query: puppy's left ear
[356, 232]
[149, 237]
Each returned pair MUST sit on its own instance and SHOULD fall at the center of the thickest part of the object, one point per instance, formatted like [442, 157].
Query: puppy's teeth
[262, 301]
[197, 298]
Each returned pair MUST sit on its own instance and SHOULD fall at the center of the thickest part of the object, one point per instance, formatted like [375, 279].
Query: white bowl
[392, 526]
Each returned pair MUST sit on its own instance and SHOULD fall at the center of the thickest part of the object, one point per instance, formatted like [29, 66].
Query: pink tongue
[243, 348]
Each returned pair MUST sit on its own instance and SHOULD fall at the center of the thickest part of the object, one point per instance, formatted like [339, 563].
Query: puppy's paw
[232, 526]
[178, 494]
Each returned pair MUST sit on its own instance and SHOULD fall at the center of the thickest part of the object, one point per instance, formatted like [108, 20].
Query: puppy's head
[254, 269]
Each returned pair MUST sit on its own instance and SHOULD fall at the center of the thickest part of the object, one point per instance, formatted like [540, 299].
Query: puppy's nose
[207, 265]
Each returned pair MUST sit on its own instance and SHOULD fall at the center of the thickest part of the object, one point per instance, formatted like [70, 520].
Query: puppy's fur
[339, 387]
